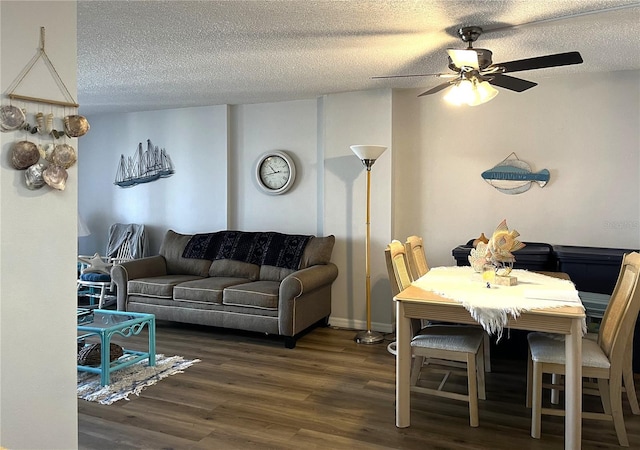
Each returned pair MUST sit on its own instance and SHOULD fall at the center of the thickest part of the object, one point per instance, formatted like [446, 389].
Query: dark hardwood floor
[249, 392]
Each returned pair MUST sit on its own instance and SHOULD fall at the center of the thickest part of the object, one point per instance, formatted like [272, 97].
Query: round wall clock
[275, 172]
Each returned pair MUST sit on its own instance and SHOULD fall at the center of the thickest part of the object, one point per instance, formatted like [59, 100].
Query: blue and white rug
[130, 380]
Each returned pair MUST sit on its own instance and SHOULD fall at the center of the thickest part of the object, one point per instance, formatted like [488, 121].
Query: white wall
[350, 119]
[287, 126]
[583, 129]
[194, 199]
[38, 403]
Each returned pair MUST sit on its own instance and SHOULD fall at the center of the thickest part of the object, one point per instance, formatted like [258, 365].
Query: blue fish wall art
[514, 176]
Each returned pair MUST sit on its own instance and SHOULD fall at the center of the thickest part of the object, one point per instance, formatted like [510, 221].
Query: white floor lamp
[368, 155]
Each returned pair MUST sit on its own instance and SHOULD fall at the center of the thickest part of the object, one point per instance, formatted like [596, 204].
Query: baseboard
[341, 322]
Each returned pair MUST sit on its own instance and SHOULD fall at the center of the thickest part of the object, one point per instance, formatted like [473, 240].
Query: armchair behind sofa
[229, 293]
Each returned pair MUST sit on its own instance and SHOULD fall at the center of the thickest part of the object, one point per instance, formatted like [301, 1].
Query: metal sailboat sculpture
[144, 166]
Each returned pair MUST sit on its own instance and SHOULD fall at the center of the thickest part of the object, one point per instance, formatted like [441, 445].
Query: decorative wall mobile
[144, 166]
[514, 176]
[42, 163]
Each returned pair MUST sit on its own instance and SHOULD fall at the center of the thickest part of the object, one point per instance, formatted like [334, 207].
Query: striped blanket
[262, 248]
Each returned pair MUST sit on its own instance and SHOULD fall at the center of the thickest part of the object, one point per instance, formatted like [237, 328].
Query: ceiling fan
[475, 70]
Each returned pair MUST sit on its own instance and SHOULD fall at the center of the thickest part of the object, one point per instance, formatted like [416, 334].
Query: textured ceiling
[145, 55]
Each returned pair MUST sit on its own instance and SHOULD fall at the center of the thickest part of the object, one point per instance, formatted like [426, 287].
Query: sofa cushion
[236, 269]
[207, 290]
[318, 251]
[94, 276]
[257, 294]
[273, 273]
[157, 286]
[172, 247]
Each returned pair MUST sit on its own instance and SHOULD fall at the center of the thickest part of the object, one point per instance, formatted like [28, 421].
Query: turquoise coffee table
[107, 323]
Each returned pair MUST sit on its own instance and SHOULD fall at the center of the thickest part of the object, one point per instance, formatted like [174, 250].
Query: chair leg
[629, 385]
[603, 388]
[487, 352]
[473, 390]
[536, 400]
[556, 379]
[480, 378]
[615, 397]
[416, 366]
[529, 378]
[101, 301]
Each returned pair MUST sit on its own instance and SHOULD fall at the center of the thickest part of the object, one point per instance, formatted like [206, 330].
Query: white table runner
[492, 306]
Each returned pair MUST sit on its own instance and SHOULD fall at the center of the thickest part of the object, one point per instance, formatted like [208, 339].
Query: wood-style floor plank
[249, 392]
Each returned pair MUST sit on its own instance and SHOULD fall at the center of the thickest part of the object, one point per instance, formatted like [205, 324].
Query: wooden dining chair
[628, 385]
[416, 257]
[418, 266]
[440, 343]
[603, 359]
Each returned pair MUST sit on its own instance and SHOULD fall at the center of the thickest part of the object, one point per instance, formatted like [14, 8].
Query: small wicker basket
[89, 355]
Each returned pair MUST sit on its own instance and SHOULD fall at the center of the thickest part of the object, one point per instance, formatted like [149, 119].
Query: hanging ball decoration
[76, 126]
[24, 154]
[33, 176]
[11, 118]
[64, 156]
[55, 176]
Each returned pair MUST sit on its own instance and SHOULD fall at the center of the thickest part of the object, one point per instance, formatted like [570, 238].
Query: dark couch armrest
[306, 280]
[152, 266]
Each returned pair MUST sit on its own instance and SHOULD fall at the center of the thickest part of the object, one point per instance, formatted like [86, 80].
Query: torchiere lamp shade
[368, 153]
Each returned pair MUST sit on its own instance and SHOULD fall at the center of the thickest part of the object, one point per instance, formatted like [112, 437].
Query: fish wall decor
[514, 176]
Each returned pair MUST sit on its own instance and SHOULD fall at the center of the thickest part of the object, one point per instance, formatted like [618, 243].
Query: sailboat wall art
[144, 166]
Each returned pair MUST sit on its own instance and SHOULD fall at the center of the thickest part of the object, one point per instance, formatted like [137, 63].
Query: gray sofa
[194, 281]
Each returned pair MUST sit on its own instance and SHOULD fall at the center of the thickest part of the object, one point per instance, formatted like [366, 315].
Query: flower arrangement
[478, 256]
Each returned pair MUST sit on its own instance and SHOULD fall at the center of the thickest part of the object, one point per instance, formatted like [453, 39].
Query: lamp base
[369, 337]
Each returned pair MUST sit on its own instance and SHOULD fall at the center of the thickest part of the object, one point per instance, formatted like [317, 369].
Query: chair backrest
[123, 253]
[126, 241]
[397, 267]
[399, 277]
[622, 312]
[416, 257]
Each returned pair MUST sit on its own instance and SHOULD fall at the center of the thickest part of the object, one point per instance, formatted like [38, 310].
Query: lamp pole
[368, 155]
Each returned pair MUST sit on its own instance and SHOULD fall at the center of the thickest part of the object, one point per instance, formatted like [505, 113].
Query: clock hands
[273, 170]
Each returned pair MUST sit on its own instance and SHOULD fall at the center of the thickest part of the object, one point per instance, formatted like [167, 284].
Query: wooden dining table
[419, 303]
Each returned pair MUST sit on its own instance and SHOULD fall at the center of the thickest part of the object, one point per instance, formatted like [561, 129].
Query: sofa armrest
[305, 298]
[306, 280]
[152, 266]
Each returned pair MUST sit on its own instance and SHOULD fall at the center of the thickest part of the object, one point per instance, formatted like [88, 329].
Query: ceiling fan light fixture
[485, 92]
[470, 92]
[459, 92]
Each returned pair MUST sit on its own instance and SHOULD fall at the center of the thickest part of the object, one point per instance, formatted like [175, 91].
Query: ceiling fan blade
[438, 88]
[463, 58]
[512, 83]
[442, 75]
[541, 62]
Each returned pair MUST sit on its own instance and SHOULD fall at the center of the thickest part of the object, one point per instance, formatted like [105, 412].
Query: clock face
[275, 172]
